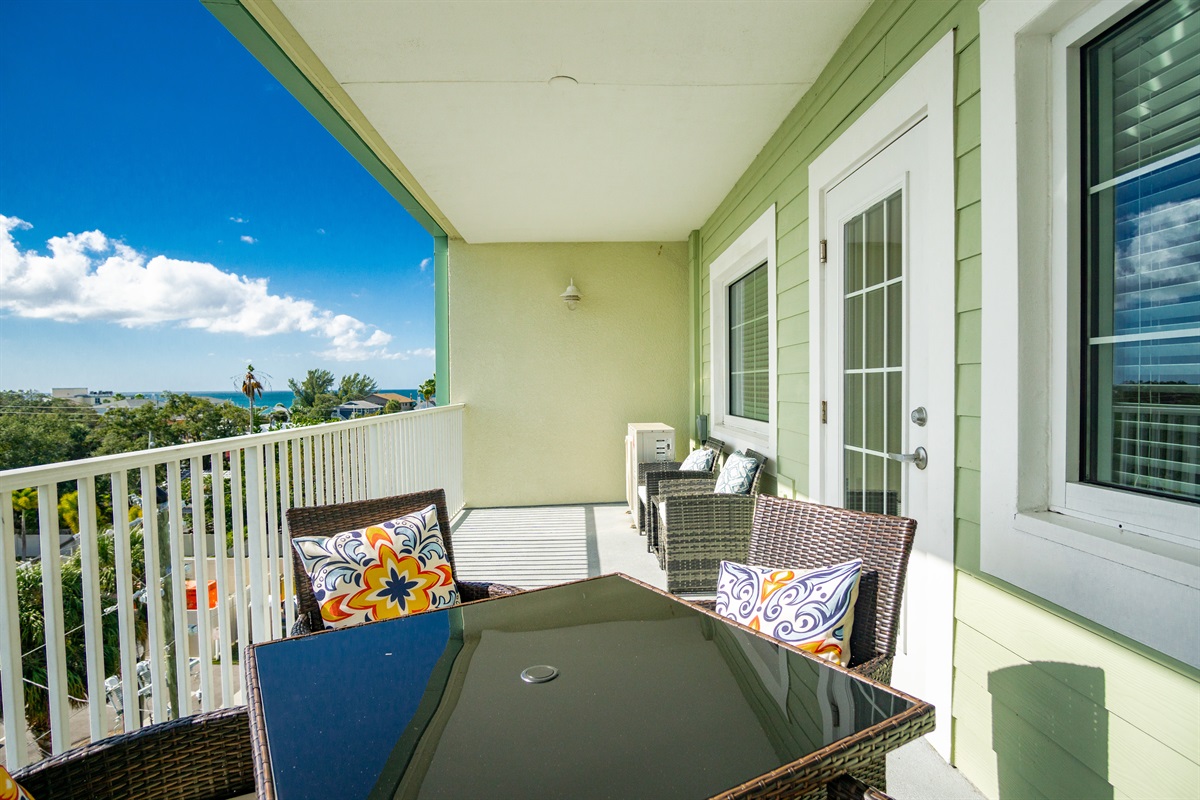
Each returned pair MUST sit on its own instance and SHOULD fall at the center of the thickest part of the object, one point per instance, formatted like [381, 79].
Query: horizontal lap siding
[1043, 706]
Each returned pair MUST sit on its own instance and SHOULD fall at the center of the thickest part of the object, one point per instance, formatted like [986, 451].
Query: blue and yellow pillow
[387, 570]
[811, 609]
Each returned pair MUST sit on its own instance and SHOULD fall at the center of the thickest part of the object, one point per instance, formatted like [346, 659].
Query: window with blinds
[1141, 245]
[749, 352]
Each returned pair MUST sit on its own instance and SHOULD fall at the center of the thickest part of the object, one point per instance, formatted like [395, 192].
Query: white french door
[883, 414]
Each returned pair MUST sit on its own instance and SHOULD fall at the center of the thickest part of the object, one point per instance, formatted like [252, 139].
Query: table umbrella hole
[539, 674]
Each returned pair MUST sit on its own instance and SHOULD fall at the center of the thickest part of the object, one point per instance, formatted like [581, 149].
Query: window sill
[1144, 588]
[745, 437]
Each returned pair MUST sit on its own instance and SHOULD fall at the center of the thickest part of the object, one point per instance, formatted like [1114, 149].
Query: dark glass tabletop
[649, 698]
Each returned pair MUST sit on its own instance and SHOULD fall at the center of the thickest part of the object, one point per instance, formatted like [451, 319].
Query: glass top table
[601, 688]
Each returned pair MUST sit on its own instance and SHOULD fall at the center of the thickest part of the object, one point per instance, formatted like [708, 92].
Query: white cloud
[321, 231]
[87, 277]
[425, 262]
[249, 239]
[238, 220]
[1154, 264]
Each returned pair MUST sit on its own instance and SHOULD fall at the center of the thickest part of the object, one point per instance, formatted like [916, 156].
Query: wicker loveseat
[334, 519]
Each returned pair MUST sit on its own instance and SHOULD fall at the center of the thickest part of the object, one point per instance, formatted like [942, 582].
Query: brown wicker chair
[651, 472]
[201, 757]
[333, 519]
[706, 528]
[794, 534]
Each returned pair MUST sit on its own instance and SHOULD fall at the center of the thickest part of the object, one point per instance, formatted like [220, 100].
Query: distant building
[381, 399]
[356, 408]
[80, 394]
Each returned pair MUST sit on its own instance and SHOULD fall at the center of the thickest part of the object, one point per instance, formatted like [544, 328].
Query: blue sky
[177, 176]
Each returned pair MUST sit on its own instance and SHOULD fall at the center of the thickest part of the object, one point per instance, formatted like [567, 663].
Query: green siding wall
[1045, 704]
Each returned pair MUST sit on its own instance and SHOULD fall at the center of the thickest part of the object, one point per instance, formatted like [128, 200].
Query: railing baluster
[327, 448]
[288, 452]
[178, 589]
[270, 482]
[93, 631]
[200, 572]
[220, 538]
[123, 564]
[12, 689]
[260, 626]
[310, 492]
[154, 594]
[52, 606]
[239, 554]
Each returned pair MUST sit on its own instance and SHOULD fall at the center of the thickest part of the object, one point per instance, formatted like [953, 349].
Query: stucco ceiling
[670, 104]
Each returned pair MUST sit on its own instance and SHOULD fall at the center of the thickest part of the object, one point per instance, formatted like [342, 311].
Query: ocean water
[268, 399]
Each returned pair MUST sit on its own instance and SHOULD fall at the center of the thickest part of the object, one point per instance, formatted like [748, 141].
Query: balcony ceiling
[672, 101]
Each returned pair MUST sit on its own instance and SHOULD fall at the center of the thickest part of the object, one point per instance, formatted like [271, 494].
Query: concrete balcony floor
[542, 546]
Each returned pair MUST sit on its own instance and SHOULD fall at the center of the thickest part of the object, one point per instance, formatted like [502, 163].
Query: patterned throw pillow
[811, 609]
[10, 789]
[387, 570]
[737, 476]
[699, 460]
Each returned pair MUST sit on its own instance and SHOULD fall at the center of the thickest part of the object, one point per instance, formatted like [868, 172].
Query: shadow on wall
[1050, 731]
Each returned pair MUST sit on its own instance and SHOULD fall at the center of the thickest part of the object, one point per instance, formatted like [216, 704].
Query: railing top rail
[24, 477]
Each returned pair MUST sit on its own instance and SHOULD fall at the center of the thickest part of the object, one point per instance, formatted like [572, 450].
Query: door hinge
[821, 252]
[824, 412]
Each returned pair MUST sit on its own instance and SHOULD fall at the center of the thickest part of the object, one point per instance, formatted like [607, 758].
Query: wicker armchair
[201, 757]
[797, 535]
[693, 529]
[333, 519]
[651, 472]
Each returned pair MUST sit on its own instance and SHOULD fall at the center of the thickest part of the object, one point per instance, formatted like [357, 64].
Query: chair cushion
[386, 570]
[737, 476]
[10, 789]
[811, 609]
[642, 494]
[699, 460]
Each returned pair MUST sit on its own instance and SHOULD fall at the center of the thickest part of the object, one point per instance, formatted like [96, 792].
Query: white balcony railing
[164, 660]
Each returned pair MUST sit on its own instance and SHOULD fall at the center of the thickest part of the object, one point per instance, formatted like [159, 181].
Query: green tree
[392, 407]
[428, 389]
[25, 504]
[355, 387]
[33, 627]
[251, 387]
[314, 397]
[35, 430]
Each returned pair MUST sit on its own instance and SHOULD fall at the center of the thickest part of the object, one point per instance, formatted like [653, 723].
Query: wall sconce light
[571, 296]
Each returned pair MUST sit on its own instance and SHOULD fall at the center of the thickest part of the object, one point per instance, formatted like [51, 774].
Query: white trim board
[926, 92]
[1129, 562]
[754, 246]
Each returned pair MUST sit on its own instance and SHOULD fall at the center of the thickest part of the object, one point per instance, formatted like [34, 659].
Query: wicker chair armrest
[482, 590]
[708, 605]
[645, 467]
[305, 624]
[655, 480]
[878, 668]
[848, 788]
[199, 757]
[697, 484]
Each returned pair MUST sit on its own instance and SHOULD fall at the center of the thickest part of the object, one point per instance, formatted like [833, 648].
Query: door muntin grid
[872, 367]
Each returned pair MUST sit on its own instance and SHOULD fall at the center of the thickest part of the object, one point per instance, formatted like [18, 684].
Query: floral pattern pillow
[811, 609]
[387, 570]
[699, 460]
[10, 789]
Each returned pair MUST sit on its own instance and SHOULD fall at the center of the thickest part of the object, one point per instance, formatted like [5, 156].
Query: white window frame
[1042, 530]
[750, 250]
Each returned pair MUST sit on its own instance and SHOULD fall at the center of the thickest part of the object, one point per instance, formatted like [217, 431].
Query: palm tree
[428, 389]
[24, 501]
[251, 387]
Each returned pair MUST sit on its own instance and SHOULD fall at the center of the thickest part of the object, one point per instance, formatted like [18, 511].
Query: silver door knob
[919, 458]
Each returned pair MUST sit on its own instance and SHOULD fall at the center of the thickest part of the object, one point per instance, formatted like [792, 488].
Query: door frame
[925, 91]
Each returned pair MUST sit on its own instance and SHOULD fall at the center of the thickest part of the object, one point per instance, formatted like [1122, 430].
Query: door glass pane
[874, 244]
[873, 403]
